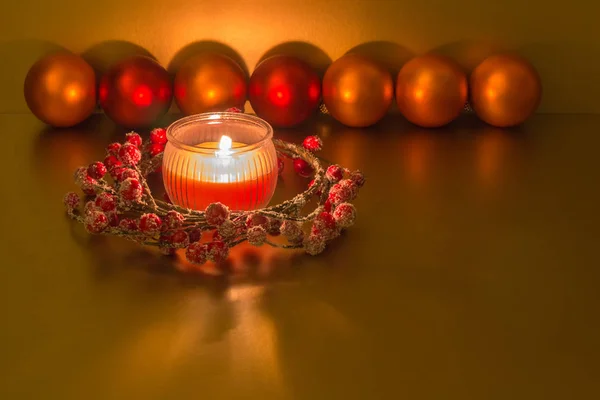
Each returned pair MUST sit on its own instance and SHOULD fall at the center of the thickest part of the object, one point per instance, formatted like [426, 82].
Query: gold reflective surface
[472, 273]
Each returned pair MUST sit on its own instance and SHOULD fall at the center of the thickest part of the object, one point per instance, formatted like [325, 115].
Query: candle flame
[225, 145]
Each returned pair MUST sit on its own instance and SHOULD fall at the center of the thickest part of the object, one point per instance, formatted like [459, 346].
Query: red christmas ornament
[136, 92]
[284, 91]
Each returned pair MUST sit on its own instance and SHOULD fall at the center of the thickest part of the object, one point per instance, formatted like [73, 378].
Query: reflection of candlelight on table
[202, 165]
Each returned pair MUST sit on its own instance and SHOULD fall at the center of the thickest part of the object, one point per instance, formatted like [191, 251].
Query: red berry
[325, 224]
[313, 143]
[358, 178]
[314, 244]
[334, 173]
[339, 193]
[122, 174]
[113, 149]
[327, 205]
[128, 224]
[257, 235]
[158, 136]
[179, 239]
[274, 227]
[292, 230]
[256, 220]
[233, 110]
[280, 165]
[71, 201]
[217, 251]
[129, 154]
[216, 213]
[96, 170]
[351, 186]
[106, 201]
[302, 168]
[88, 186]
[197, 253]
[134, 139]
[173, 220]
[155, 149]
[344, 215]
[195, 235]
[80, 175]
[131, 190]
[150, 224]
[112, 162]
[96, 222]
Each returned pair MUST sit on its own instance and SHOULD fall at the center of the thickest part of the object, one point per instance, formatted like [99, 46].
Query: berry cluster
[119, 202]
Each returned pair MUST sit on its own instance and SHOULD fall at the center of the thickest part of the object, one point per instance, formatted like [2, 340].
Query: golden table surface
[472, 273]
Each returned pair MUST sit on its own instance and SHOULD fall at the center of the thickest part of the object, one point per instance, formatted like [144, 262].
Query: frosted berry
[88, 186]
[96, 222]
[155, 149]
[197, 253]
[80, 175]
[257, 235]
[314, 244]
[134, 139]
[150, 224]
[325, 224]
[334, 173]
[173, 220]
[217, 251]
[90, 207]
[179, 239]
[129, 154]
[280, 165]
[313, 143]
[195, 235]
[158, 136]
[216, 213]
[302, 168]
[274, 227]
[256, 220]
[96, 170]
[113, 149]
[358, 178]
[351, 186]
[71, 201]
[345, 215]
[122, 174]
[167, 251]
[106, 202]
[327, 206]
[292, 230]
[339, 193]
[112, 162]
[128, 224]
[227, 229]
[131, 190]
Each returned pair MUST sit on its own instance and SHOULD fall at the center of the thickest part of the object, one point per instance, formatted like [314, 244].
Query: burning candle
[220, 157]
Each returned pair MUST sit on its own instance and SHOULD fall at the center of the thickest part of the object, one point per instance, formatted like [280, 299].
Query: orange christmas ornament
[60, 89]
[136, 92]
[431, 90]
[209, 82]
[357, 91]
[505, 90]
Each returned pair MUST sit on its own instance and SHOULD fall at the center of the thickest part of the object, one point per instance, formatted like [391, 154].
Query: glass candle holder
[220, 157]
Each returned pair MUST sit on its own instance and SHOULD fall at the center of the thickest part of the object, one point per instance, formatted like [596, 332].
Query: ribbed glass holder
[196, 172]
